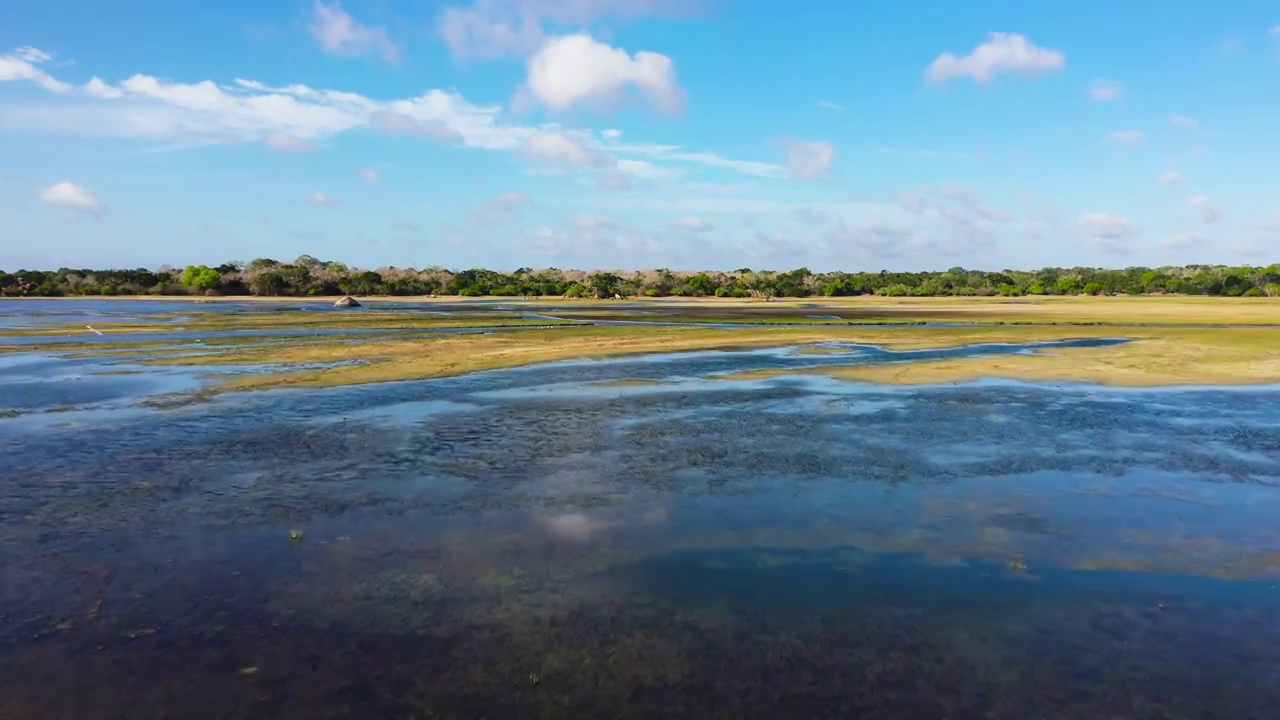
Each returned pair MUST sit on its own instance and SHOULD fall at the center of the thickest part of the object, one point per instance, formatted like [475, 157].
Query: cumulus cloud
[340, 34]
[488, 29]
[611, 134]
[810, 160]
[71, 196]
[370, 176]
[692, 224]
[505, 208]
[1105, 90]
[1128, 138]
[579, 70]
[1171, 177]
[1183, 121]
[1002, 53]
[1209, 213]
[284, 142]
[1109, 233]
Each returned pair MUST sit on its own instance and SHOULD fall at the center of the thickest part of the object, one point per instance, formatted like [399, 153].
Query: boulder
[346, 302]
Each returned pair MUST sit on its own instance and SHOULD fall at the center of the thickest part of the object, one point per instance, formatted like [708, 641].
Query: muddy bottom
[630, 538]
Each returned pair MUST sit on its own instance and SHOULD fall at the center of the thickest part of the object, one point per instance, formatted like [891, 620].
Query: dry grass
[1155, 358]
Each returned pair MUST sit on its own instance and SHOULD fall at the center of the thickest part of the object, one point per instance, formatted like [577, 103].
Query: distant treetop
[310, 277]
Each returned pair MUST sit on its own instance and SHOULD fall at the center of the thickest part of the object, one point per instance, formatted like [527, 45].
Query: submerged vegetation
[309, 277]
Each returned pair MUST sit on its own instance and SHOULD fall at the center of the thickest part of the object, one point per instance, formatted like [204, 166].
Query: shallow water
[634, 538]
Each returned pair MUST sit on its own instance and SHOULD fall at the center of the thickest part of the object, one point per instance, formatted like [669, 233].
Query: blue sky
[639, 133]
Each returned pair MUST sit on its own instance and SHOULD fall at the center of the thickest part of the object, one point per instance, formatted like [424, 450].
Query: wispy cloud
[1108, 233]
[929, 153]
[830, 105]
[1128, 138]
[1105, 90]
[323, 200]
[1183, 121]
[488, 29]
[1204, 207]
[340, 34]
[296, 117]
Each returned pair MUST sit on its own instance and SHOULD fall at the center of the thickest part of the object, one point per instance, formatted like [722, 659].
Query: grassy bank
[1155, 357]
[1164, 351]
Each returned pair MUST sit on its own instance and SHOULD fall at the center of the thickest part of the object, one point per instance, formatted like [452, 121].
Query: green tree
[201, 277]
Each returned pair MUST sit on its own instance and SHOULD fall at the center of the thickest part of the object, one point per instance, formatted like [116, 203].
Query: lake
[634, 537]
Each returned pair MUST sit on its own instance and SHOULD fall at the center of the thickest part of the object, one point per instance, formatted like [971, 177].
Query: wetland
[889, 509]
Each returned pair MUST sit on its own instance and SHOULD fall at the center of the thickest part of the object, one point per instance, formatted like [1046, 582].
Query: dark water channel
[633, 538]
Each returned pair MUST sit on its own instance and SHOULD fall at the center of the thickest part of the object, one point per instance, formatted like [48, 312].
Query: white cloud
[1209, 213]
[97, 88]
[810, 160]
[812, 216]
[1105, 90]
[505, 208]
[596, 242]
[929, 153]
[970, 201]
[1183, 242]
[611, 134]
[1183, 121]
[830, 105]
[1171, 177]
[1130, 138]
[561, 148]
[20, 64]
[587, 221]
[284, 142]
[73, 197]
[489, 29]
[1275, 31]
[1101, 226]
[692, 224]
[370, 176]
[319, 198]
[647, 170]
[746, 167]
[340, 34]
[579, 70]
[1002, 53]
[613, 180]
[393, 121]
[180, 114]
[484, 31]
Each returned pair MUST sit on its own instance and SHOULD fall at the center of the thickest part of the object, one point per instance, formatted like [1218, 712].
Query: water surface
[636, 538]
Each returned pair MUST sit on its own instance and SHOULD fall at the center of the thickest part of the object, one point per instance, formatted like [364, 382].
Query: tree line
[309, 277]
